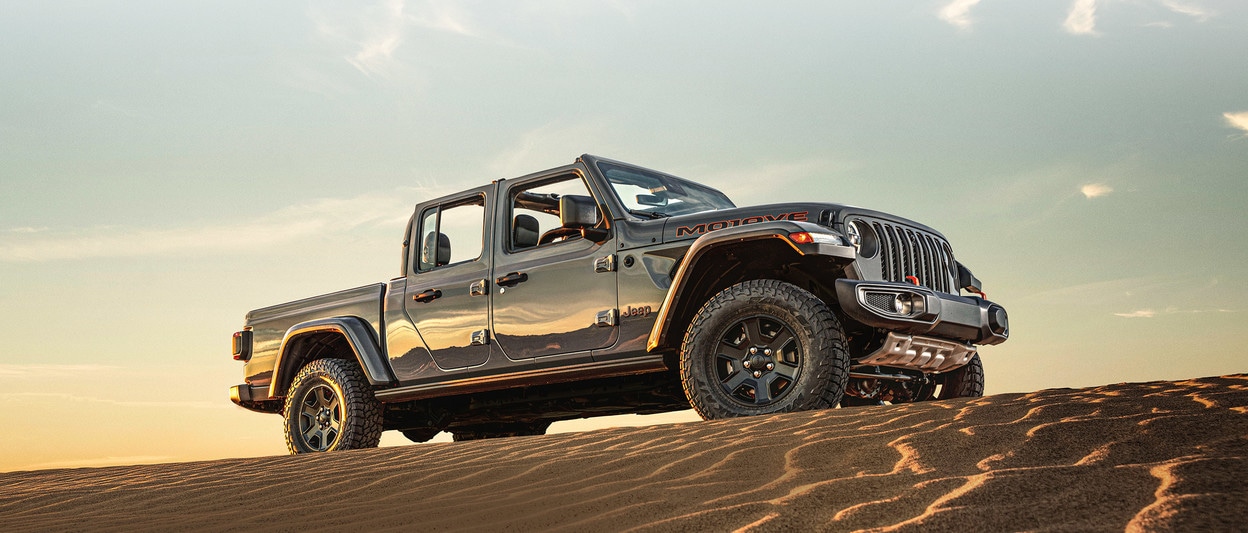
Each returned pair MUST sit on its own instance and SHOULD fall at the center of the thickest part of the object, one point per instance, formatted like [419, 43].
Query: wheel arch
[349, 338]
[726, 257]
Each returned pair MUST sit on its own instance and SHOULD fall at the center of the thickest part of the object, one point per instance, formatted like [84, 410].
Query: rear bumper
[935, 314]
[255, 399]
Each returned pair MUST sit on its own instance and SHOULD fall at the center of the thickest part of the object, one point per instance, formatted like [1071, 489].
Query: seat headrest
[525, 231]
[428, 257]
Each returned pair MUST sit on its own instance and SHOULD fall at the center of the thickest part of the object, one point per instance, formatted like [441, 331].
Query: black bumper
[937, 314]
[255, 399]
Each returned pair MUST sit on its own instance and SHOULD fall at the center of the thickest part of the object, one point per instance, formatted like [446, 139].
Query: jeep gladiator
[603, 288]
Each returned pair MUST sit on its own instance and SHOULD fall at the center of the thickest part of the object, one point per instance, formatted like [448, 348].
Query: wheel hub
[759, 360]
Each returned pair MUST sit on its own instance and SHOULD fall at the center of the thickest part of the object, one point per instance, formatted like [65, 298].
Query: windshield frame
[704, 198]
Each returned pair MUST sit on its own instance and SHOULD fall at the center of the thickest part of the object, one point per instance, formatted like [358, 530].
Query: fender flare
[359, 335]
[780, 229]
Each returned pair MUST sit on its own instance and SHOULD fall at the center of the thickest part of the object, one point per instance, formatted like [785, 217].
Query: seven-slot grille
[906, 251]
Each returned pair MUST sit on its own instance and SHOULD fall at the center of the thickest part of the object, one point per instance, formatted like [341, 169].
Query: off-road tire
[337, 391]
[500, 430]
[965, 382]
[711, 367]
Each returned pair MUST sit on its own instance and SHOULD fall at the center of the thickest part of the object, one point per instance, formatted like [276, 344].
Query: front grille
[905, 251]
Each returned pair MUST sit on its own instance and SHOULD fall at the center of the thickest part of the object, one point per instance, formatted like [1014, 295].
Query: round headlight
[860, 234]
[854, 235]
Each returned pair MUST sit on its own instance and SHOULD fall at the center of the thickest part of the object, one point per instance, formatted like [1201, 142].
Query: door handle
[511, 279]
[427, 296]
[479, 288]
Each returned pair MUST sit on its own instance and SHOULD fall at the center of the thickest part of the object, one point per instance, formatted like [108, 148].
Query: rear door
[447, 296]
[554, 291]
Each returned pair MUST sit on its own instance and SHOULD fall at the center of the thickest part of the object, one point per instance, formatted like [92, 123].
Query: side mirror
[581, 212]
[578, 211]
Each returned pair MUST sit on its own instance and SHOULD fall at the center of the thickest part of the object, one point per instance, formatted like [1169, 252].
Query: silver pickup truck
[603, 288]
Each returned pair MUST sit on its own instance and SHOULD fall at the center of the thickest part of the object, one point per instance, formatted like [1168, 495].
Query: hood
[694, 225]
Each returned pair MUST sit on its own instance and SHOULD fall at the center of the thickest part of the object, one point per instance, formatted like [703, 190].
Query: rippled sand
[1139, 457]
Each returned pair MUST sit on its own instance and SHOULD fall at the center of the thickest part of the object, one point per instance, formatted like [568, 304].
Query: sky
[167, 166]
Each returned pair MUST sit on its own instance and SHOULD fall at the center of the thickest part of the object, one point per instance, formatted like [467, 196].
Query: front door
[555, 291]
[447, 295]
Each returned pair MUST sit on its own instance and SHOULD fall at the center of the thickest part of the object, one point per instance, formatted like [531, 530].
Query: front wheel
[331, 407]
[761, 347]
[965, 382]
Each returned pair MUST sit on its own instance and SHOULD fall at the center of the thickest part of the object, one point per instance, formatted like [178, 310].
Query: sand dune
[1140, 457]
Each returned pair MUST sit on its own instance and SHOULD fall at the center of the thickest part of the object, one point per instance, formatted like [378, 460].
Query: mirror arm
[594, 234]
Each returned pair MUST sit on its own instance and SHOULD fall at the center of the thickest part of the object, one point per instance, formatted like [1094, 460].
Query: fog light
[908, 304]
[902, 304]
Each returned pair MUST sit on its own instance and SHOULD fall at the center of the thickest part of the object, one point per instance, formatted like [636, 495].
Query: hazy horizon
[168, 167]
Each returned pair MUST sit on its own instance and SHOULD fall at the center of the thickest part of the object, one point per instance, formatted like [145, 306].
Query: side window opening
[452, 234]
[535, 213]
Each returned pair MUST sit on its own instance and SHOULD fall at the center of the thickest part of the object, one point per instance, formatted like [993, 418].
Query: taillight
[242, 345]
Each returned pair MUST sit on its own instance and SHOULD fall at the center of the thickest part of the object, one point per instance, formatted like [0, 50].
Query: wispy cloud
[66, 397]
[374, 34]
[56, 371]
[1081, 19]
[287, 224]
[1237, 120]
[1153, 313]
[544, 147]
[958, 13]
[1095, 190]
[1191, 10]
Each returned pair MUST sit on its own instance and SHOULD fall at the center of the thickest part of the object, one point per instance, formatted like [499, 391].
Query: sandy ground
[1141, 457]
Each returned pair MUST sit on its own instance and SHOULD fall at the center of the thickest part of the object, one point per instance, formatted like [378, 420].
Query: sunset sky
[167, 166]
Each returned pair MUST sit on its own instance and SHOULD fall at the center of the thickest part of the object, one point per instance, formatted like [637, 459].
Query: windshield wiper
[651, 214]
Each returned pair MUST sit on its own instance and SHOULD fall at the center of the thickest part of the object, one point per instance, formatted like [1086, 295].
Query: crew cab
[601, 288]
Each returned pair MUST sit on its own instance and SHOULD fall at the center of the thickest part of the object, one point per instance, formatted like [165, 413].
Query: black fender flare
[358, 334]
[833, 244]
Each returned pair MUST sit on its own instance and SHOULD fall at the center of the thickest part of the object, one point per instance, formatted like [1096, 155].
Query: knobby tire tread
[831, 371]
[362, 424]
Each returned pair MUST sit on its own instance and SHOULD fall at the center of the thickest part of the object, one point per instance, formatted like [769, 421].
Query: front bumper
[935, 314]
[255, 399]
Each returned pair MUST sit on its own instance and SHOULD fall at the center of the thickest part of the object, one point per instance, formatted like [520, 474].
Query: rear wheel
[761, 347]
[965, 382]
[331, 407]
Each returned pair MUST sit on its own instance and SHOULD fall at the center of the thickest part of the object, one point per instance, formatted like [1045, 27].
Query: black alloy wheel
[331, 406]
[758, 360]
[320, 417]
[761, 347]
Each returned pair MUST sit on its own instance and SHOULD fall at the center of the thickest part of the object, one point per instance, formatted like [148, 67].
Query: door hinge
[481, 337]
[605, 264]
[607, 318]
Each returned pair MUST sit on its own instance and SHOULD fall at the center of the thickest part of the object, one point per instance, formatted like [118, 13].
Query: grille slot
[906, 251]
[882, 301]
